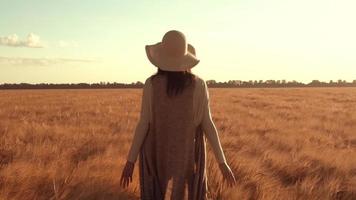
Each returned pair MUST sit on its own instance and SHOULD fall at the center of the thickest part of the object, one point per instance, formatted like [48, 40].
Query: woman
[169, 136]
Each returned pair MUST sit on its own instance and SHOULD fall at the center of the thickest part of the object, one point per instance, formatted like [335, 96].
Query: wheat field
[295, 143]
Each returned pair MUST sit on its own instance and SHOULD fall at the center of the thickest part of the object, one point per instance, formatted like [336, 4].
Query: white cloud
[31, 41]
[22, 61]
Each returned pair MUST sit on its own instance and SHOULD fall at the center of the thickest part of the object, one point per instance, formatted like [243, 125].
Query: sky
[73, 41]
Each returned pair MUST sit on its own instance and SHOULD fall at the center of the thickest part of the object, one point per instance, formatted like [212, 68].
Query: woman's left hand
[227, 173]
[126, 176]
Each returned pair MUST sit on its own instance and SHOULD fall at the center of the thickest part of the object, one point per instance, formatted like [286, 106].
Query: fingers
[126, 177]
[125, 182]
[122, 179]
[232, 178]
[228, 175]
[230, 181]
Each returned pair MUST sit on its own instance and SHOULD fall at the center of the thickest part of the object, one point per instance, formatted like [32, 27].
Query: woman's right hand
[228, 175]
[126, 177]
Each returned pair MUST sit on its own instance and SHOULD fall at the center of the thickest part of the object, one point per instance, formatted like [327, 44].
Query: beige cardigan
[202, 116]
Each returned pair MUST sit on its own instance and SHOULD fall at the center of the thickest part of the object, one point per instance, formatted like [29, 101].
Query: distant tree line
[210, 83]
[100, 85]
[278, 83]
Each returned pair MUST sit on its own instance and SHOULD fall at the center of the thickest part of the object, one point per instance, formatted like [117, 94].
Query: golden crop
[280, 143]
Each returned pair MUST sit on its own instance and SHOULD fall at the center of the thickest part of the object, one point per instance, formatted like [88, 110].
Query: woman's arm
[140, 133]
[142, 125]
[212, 134]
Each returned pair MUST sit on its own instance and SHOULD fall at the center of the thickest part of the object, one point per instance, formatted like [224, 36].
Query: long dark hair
[176, 81]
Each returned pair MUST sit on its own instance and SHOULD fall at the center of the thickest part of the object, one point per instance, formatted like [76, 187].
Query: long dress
[173, 155]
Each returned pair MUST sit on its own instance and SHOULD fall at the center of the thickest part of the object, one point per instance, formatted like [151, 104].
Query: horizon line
[206, 80]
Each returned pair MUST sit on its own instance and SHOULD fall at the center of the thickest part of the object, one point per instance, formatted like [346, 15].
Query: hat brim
[156, 56]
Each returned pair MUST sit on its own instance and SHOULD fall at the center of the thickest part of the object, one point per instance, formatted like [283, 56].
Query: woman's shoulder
[199, 79]
[200, 82]
[148, 81]
[148, 84]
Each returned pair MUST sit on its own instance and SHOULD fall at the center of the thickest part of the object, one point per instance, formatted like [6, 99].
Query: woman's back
[168, 153]
[173, 123]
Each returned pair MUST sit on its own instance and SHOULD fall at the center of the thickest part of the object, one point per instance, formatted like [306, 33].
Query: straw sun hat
[173, 53]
